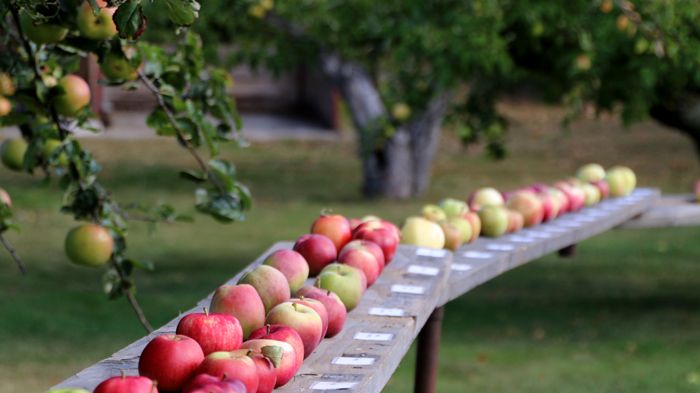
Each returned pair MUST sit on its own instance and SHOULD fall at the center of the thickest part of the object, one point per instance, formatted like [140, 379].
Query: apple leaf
[182, 12]
[130, 20]
[274, 353]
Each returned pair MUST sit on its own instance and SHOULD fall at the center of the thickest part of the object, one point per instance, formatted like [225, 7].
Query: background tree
[407, 68]
[43, 44]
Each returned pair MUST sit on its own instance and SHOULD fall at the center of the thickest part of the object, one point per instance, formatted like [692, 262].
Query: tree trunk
[683, 115]
[398, 166]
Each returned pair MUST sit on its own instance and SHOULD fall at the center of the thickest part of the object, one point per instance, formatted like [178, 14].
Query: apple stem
[123, 374]
[295, 306]
[268, 329]
[206, 311]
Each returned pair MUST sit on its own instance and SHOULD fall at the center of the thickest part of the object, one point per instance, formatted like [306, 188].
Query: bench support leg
[568, 251]
[427, 356]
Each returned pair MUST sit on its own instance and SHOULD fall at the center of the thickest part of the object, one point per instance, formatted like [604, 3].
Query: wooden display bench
[408, 295]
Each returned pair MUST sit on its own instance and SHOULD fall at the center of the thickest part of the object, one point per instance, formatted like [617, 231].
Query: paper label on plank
[461, 267]
[332, 385]
[353, 361]
[410, 289]
[520, 239]
[423, 270]
[538, 235]
[554, 229]
[368, 336]
[431, 252]
[387, 312]
[477, 255]
[500, 247]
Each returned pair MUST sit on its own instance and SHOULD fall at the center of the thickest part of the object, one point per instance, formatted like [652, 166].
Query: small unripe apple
[401, 111]
[606, 6]
[89, 245]
[7, 87]
[5, 106]
[12, 153]
[96, 27]
[75, 96]
[5, 197]
[118, 68]
[41, 33]
[50, 146]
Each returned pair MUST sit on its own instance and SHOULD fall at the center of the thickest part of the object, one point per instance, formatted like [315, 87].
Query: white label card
[569, 224]
[477, 255]
[430, 252]
[554, 229]
[461, 267]
[387, 312]
[500, 247]
[352, 361]
[410, 289]
[521, 239]
[423, 270]
[367, 336]
[538, 235]
[332, 385]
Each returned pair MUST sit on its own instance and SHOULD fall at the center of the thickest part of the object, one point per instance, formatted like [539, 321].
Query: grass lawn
[620, 317]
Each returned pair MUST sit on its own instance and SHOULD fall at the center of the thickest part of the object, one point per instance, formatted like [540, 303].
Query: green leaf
[194, 175]
[130, 20]
[158, 120]
[182, 12]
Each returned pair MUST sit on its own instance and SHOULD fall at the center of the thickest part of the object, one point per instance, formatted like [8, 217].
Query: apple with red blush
[304, 319]
[318, 250]
[241, 301]
[232, 365]
[127, 384]
[213, 331]
[281, 353]
[334, 307]
[381, 234]
[335, 227]
[170, 359]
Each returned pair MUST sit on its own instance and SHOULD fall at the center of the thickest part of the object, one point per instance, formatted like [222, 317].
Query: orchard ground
[619, 317]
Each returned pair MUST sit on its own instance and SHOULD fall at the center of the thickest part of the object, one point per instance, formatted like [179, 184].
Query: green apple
[401, 111]
[96, 27]
[75, 96]
[348, 282]
[621, 180]
[464, 226]
[486, 196]
[453, 237]
[591, 172]
[118, 68]
[453, 207]
[12, 153]
[592, 194]
[44, 33]
[89, 245]
[494, 220]
[5, 106]
[423, 233]
[50, 146]
[434, 213]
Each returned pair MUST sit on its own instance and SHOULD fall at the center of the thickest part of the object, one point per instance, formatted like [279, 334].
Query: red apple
[362, 254]
[515, 221]
[170, 360]
[267, 376]
[354, 223]
[561, 197]
[318, 250]
[271, 284]
[318, 307]
[205, 383]
[234, 365]
[475, 222]
[381, 234]
[214, 332]
[243, 302]
[292, 265]
[127, 384]
[603, 188]
[529, 205]
[550, 206]
[334, 307]
[301, 318]
[281, 333]
[335, 227]
[287, 362]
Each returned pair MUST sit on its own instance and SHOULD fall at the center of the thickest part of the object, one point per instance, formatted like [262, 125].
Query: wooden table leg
[568, 251]
[427, 356]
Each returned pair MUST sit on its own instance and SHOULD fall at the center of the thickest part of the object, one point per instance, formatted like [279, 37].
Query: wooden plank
[668, 211]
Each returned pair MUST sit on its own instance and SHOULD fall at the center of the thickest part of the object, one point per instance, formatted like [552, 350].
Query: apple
[464, 227]
[550, 206]
[96, 27]
[170, 360]
[453, 237]
[7, 86]
[75, 95]
[241, 301]
[126, 384]
[41, 33]
[283, 354]
[318, 250]
[233, 365]
[117, 68]
[337, 313]
[574, 194]
[346, 281]
[5, 106]
[213, 332]
[423, 233]
[282, 333]
[5, 198]
[561, 198]
[433, 213]
[292, 265]
[271, 284]
[515, 221]
[318, 307]
[401, 111]
[364, 255]
[529, 205]
[603, 188]
[453, 207]
[50, 146]
[383, 233]
[12, 153]
[494, 220]
[335, 227]
[354, 223]
[267, 376]
[621, 180]
[592, 194]
[72, 390]
[304, 319]
[590, 173]
[475, 223]
[205, 383]
[89, 245]
[486, 196]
